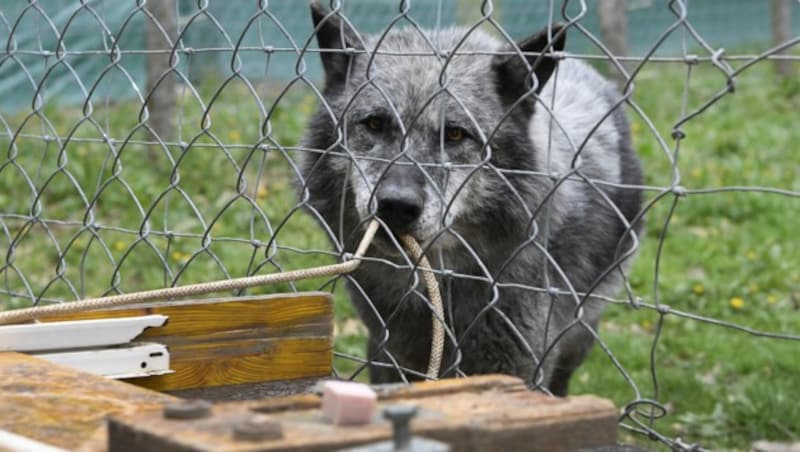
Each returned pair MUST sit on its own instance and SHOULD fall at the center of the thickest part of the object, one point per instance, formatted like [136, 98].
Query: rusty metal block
[472, 414]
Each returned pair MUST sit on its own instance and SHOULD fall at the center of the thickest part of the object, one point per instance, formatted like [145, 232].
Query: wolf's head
[416, 122]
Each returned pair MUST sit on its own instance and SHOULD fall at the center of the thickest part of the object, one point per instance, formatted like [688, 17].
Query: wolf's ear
[332, 34]
[514, 77]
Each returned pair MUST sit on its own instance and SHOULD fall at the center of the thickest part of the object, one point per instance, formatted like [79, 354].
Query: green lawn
[730, 256]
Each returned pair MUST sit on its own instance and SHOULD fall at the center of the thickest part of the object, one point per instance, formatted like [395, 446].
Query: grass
[182, 215]
[728, 256]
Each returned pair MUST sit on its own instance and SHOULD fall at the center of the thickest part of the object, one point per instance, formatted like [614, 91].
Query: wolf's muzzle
[401, 197]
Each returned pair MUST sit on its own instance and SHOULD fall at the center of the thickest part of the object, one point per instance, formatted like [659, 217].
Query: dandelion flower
[178, 256]
[772, 299]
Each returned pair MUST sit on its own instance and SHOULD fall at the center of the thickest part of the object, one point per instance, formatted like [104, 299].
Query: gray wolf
[514, 171]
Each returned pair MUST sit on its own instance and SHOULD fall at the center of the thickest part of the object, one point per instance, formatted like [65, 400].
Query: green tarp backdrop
[63, 46]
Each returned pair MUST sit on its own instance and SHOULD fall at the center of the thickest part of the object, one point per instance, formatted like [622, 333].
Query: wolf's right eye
[374, 123]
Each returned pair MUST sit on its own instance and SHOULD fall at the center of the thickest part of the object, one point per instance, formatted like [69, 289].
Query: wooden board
[240, 340]
[482, 413]
[61, 406]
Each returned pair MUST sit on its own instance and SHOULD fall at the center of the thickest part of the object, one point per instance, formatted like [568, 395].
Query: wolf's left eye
[455, 134]
[374, 123]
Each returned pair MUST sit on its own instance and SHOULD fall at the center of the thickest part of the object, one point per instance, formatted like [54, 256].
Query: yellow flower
[234, 135]
[736, 303]
[178, 256]
[306, 106]
[699, 289]
[772, 299]
[696, 172]
[262, 192]
[750, 255]
[119, 245]
[647, 324]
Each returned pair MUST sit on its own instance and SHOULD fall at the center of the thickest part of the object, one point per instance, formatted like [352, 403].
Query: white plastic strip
[18, 443]
[143, 359]
[75, 333]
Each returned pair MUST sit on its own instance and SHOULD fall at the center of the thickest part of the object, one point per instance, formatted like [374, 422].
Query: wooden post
[781, 12]
[469, 12]
[161, 89]
[614, 27]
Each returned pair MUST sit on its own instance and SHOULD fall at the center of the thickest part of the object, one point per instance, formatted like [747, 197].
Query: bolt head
[187, 409]
[400, 413]
[258, 428]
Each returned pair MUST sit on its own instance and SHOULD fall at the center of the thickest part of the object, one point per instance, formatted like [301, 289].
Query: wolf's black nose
[399, 206]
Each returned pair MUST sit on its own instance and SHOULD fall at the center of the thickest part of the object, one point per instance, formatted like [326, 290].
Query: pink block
[348, 403]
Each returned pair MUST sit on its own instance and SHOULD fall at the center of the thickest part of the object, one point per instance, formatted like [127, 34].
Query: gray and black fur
[390, 142]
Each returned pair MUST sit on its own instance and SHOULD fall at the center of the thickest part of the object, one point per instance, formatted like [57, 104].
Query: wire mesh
[102, 194]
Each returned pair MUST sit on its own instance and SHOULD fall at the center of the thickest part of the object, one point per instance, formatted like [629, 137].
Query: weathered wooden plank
[476, 383]
[233, 341]
[269, 314]
[493, 413]
[61, 406]
[211, 364]
[251, 391]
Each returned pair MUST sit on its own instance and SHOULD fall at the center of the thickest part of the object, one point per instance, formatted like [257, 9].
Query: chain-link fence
[154, 144]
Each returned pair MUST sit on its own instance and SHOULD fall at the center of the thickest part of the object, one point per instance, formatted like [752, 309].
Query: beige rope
[36, 312]
[27, 314]
[437, 338]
